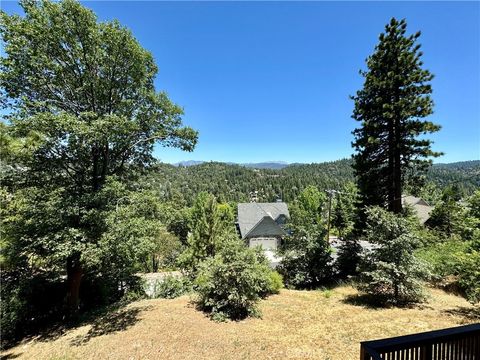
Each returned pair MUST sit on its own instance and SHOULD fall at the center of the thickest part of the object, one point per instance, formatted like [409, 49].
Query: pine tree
[212, 227]
[344, 213]
[390, 272]
[394, 99]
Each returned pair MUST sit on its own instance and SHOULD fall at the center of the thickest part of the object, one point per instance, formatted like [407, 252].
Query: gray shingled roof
[250, 214]
[412, 200]
[420, 206]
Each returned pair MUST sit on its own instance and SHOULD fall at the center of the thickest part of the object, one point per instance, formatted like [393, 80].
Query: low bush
[443, 257]
[171, 287]
[469, 275]
[455, 264]
[230, 284]
[275, 283]
[327, 293]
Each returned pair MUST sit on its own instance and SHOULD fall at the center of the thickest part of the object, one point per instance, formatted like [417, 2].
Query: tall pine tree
[394, 100]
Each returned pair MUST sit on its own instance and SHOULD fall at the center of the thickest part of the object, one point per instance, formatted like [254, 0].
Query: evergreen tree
[390, 271]
[349, 256]
[448, 216]
[390, 106]
[345, 210]
[212, 226]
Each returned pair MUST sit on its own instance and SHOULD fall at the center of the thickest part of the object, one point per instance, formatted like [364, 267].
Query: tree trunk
[154, 264]
[391, 167]
[397, 201]
[394, 160]
[74, 278]
[396, 293]
[397, 174]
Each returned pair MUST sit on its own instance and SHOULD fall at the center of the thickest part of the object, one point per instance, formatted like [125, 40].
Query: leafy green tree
[136, 238]
[307, 261]
[308, 209]
[391, 272]
[180, 224]
[469, 273]
[86, 89]
[212, 225]
[390, 106]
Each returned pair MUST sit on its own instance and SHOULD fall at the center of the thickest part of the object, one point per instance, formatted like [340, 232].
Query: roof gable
[250, 214]
[420, 206]
[412, 200]
[265, 227]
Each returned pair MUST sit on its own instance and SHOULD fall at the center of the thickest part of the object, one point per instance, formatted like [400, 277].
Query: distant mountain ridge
[277, 165]
[459, 164]
[262, 165]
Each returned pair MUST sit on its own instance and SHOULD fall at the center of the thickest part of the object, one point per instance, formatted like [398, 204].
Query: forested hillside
[231, 182]
[465, 173]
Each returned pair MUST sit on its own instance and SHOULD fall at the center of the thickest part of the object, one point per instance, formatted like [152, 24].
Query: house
[262, 224]
[419, 206]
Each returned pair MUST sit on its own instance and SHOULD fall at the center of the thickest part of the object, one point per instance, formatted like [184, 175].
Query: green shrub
[171, 287]
[459, 262]
[327, 293]
[275, 283]
[469, 275]
[230, 284]
[443, 257]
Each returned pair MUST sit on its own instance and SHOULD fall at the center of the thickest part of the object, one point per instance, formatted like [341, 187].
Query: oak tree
[86, 89]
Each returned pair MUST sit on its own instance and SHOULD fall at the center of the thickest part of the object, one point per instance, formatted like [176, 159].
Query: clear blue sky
[270, 80]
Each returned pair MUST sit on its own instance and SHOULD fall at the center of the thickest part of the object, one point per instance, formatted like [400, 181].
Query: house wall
[267, 243]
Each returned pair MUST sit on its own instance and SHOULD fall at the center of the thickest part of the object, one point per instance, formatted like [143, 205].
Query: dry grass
[295, 325]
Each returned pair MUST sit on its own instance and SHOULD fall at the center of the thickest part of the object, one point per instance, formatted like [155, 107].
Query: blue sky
[271, 80]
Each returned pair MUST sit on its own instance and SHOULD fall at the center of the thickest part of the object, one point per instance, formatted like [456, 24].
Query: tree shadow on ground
[107, 319]
[371, 302]
[8, 356]
[467, 313]
[112, 322]
[364, 300]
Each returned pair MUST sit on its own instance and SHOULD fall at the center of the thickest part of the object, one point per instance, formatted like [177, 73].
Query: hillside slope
[232, 182]
[294, 325]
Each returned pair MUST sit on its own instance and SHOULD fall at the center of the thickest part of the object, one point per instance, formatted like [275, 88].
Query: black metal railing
[459, 343]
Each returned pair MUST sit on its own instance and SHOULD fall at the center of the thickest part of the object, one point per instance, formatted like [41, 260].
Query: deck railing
[459, 343]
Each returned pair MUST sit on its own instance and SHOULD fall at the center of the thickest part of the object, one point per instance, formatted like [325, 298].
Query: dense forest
[237, 183]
